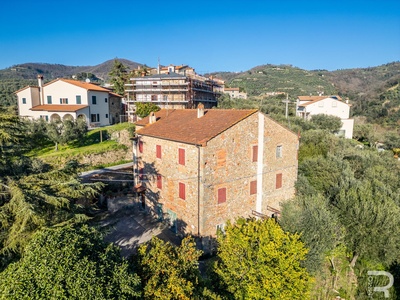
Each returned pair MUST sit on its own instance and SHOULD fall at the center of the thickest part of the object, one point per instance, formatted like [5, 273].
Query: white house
[235, 93]
[307, 106]
[63, 99]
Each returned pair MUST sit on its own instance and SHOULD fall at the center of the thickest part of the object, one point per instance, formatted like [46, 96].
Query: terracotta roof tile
[182, 125]
[59, 107]
[313, 99]
[86, 85]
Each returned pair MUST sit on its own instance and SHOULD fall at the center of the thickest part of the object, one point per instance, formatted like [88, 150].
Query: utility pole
[287, 103]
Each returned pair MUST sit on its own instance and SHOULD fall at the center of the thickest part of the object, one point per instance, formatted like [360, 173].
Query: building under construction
[173, 87]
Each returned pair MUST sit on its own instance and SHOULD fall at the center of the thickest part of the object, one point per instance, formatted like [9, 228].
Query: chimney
[152, 118]
[41, 92]
[40, 80]
[200, 110]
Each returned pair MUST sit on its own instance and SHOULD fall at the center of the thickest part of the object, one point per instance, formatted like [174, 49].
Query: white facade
[331, 105]
[235, 93]
[64, 98]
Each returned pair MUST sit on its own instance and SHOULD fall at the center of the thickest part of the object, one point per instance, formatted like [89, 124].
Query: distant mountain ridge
[29, 71]
[373, 91]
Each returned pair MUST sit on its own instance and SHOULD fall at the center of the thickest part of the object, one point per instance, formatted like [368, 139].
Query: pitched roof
[313, 99]
[183, 125]
[86, 85]
[28, 86]
[58, 107]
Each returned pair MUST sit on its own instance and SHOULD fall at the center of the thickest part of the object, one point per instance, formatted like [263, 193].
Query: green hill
[19, 76]
[372, 91]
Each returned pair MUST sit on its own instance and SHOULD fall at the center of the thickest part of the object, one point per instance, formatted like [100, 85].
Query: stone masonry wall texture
[226, 162]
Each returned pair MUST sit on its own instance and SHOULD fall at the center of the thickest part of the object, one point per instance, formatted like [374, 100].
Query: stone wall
[172, 174]
[226, 162]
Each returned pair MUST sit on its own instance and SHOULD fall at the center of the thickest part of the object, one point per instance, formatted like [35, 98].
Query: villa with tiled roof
[308, 106]
[63, 99]
[199, 168]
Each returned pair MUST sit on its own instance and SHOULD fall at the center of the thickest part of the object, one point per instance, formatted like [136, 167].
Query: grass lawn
[95, 142]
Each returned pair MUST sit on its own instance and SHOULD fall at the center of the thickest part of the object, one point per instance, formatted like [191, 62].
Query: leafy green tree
[11, 141]
[63, 132]
[41, 200]
[318, 225]
[327, 122]
[257, 260]
[118, 77]
[372, 221]
[365, 133]
[144, 109]
[69, 263]
[170, 272]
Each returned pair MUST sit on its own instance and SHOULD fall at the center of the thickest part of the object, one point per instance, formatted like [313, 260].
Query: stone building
[201, 167]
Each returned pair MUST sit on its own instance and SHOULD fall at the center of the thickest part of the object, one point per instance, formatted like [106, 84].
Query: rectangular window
[253, 187]
[181, 155]
[255, 153]
[221, 195]
[63, 100]
[94, 100]
[334, 103]
[94, 118]
[159, 181]
[321, 104]
[78, 99]
[23, 100]
[141, 146]
[279, 151]
[278, 181]
[182, 191]
[105, 100]
[49, 100]
[158, 151]
[153, 97]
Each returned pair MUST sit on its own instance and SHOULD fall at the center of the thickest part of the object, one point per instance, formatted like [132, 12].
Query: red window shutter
[253, 187]
[255, 153]
[221, 195]
[182, 191]
[140, 146]
[159, 181]
[158, 151]
[279, 180]
[181, 156]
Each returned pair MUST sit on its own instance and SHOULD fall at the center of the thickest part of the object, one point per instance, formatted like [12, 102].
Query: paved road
[129, 228]
[113, 168]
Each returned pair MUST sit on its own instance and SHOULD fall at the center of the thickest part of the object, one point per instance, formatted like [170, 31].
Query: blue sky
[207, 35]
